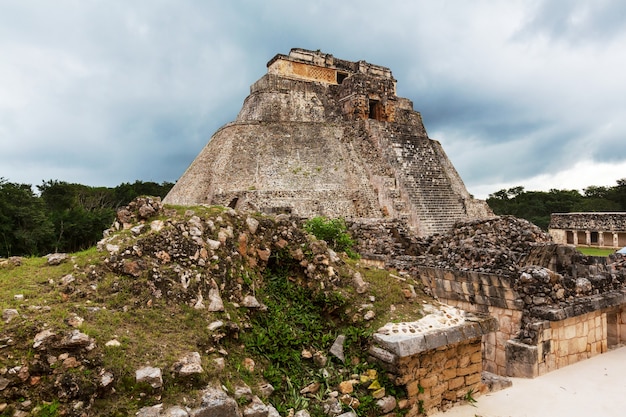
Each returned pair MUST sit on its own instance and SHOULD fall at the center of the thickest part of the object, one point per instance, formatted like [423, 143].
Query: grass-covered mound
[259, 299]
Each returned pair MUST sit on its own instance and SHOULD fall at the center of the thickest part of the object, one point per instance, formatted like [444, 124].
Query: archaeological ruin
[605, 230]
[323, 136]
[552, 305]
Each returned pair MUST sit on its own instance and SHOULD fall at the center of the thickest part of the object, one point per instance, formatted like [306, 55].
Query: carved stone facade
[323, 136]
[589, 229]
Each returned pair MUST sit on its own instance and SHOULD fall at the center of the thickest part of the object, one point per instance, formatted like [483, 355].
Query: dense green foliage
[537, 206]
[63, 217]
[333, 231]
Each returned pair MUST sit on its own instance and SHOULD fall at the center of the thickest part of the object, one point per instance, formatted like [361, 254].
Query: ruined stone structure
[589, 229]
[553, 305]
[323, 136]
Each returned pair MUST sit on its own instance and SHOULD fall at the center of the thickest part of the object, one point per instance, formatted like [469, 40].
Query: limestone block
[429, 381]
[472, 379]
[450, 373]
[457, 382]
[521, 359]
[438, 390]
[470, 369]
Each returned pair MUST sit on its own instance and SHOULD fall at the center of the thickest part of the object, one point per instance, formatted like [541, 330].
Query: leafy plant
[469, 397]
[334, 232]
[48, 410]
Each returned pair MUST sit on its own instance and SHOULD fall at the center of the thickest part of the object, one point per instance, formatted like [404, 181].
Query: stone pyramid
[323, 136]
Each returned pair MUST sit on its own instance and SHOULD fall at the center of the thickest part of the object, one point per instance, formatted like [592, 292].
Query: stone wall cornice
[402, 345]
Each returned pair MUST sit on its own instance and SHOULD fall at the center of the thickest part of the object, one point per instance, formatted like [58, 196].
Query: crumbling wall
[554, 305]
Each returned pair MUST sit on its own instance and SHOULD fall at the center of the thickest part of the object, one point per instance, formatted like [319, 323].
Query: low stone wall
[531, 339]
[481, 293]
[478, 288]
[494, 344]
[439, 368]
[567, 341]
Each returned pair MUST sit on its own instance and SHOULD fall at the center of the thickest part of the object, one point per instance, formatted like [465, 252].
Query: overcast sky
[529, 93]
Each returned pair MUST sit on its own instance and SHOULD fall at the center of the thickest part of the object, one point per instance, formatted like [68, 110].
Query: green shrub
[334, 232]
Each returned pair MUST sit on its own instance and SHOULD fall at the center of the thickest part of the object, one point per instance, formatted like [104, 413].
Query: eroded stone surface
[336, 140]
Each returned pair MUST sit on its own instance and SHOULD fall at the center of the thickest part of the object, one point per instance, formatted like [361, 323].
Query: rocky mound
[198, 311]
[195, 257]
[495, 245]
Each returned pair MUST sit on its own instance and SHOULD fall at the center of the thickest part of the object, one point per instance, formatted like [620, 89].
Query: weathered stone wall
[438, 369]
[481, 293]
[476, 288]
[562, 343]
[440, 378]
[535, 337]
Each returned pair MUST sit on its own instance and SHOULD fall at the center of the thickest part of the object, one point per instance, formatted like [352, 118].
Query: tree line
[62, 217]
[66, 217]
[536, 206]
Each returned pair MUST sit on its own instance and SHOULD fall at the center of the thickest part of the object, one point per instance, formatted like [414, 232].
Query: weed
[47, 410]
[420, 407]
[469, 397]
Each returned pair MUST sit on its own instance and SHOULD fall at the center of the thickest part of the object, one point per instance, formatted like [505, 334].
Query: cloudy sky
[529, 93]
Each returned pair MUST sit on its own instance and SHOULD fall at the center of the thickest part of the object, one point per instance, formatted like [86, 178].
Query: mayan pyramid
[323, 136]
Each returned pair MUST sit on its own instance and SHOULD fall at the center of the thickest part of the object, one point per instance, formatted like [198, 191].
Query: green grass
[585, 250]
[157, 331]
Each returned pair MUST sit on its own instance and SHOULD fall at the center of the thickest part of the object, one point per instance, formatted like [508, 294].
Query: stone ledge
[393, 346]
[581, 306]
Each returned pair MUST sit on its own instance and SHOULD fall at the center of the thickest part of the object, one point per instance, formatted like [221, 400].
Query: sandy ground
[592, 388]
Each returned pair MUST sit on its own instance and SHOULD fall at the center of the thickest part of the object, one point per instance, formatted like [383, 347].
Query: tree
[79, 213]
[537, 206]
[24, 226]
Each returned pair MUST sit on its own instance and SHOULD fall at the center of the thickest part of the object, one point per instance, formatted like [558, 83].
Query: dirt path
[592, 388]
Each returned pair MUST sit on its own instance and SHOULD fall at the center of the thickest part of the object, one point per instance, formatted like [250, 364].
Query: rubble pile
[196, 258]
[384, 239]
[494, 245]
[209, 259]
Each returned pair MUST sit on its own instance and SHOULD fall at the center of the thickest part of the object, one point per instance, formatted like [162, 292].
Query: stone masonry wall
[439, 378]
[532, 339]
[438, 369]
[481, 293]
[564, 342]
[494, 344]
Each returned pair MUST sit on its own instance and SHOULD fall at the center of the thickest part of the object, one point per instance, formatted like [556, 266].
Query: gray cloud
[106, 92]
[577, 21]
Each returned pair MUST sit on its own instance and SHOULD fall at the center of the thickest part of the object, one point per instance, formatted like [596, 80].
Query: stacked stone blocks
[438, 369]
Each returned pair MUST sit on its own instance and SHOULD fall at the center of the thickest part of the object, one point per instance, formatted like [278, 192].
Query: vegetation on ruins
[334, 232]
[136, 299]
[536, 206]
